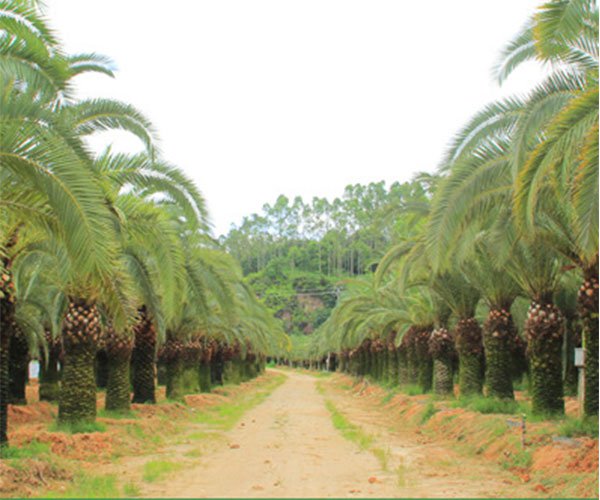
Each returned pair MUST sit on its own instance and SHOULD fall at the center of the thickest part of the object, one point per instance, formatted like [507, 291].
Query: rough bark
[441, 349]
[424, 359]
[143, 359]
[499, 333]
[544, 330]
[6, 313]
[101, 368]
[118, 350]
[588, 310]
[81, 333]
[469, 345]
[18, 367]
[49, 371]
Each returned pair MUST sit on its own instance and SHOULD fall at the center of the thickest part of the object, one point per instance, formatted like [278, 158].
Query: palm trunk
[143, 360]
[499, 334]
[412, 363]
[49, 372]
[588, 310]
[392, 365]
[118, 394]
[175, 379]
[402, 366]
[424, 360]
[544, 330]
[441, 348]
[81, 333]
[572, 339]
[469, 344]
[6, 313]
[18, 366]
[101, 369]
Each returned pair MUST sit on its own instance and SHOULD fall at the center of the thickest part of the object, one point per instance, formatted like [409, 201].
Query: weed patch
[89, 487]
[586, 426]
[32, 449]
[350, 431]
[158, 469]
[485, 405]
[429, 412]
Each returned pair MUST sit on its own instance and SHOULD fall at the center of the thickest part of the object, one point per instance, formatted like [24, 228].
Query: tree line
[106, 260]
[513, 218]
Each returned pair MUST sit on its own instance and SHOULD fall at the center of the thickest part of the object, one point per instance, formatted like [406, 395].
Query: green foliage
[131, 490]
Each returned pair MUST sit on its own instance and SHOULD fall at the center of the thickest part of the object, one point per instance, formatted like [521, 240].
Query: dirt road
[288, 447]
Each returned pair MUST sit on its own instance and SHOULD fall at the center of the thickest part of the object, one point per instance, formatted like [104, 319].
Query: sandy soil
[288, 447]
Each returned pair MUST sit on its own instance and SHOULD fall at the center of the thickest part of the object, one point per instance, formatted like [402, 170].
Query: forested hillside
[296, 255]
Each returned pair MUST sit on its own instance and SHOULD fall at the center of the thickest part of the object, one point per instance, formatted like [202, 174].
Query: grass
[350, 431]
[88, 487]
[131, 490]
[573, 427]
[388, 397]
[522, 459]
[30, 450]
[430, 411]
[155, 470]
[77, 427]
[412, 390]
[383, 456]
[485, 405]
[118, 415]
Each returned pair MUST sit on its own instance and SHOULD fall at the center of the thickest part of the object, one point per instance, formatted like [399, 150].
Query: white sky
[253, 99]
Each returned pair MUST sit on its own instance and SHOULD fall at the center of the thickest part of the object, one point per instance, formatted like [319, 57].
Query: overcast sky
[259, 98]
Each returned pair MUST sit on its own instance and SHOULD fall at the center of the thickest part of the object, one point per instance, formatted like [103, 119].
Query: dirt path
[288, 447]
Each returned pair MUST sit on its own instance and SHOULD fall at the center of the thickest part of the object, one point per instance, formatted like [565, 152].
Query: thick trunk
[544, 330]
[572, 339]
[588, 310]
[18, 365]
[175, 379]
[101, 369]
[143, 360]
[118, 349]
[204, 376]
[50, 374]
[4, 348]
[424, 360]
[402, 366]
[118, 395]
[499, 335]
[81, 333]
[441, 349]
[392, 365]
[191, 381]
[442, 377]
[469, 344]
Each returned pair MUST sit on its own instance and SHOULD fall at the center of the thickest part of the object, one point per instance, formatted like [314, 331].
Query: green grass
[118, 415]
[388, 397]
[350, 431]
[412, 390]
[88, 487]
[485, 405]
[30, 450]
[131, 490]
[522, 459]
[225, 416]
[382, 456]
[158, 469]
[77, 427]
[572, 427]
[429, 412]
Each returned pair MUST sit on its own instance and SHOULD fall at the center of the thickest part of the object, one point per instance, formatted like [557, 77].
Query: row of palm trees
[513, 217]
[109, 251]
